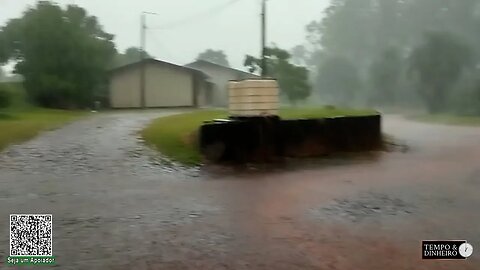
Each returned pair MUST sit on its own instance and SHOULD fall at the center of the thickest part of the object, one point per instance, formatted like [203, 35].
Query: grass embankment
[22, 121]
[175, 136]
[447, 119]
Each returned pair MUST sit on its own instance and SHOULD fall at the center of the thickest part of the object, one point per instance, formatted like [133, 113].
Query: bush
[5, 97]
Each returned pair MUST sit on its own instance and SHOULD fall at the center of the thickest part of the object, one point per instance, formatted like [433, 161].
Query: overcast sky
[191, 26]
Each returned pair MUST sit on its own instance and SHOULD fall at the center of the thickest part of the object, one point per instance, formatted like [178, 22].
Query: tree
[350, 34]
[347, 31]
[292, 79]
[474, 99]
[217, 57]
[384, 77]
[436, 65]
[338, 81]
[464, 98]
[63, 54]
[299, 55]
[5, 97]
[131, 55]
[357, 30]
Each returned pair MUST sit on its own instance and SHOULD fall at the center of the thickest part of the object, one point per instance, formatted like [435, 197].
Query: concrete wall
[219, 76]
[165, 86]
[260, 139]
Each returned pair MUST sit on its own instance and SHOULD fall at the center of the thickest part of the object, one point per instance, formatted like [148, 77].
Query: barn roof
[204, 62]
[158, 62]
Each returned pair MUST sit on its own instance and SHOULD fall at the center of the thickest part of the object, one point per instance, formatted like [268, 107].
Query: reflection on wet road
[116, 205]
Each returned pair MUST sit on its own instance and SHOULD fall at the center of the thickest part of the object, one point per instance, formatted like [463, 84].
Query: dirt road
[116, 206]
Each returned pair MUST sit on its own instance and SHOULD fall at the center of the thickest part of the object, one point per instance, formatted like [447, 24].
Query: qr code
[30, 235]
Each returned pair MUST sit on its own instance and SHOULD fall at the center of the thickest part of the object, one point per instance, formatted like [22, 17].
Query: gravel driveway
[115, 205]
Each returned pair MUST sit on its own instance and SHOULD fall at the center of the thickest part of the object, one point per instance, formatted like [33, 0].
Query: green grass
[18, 96]
[447, 119]
[21, 121]
[19, 126]
[322, 112]
[175, 136]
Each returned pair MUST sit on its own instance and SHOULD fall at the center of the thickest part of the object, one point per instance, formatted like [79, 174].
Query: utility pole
[143, 56]
[264, 17]
[143, 30]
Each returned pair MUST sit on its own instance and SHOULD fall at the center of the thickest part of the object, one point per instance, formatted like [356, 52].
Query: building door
[209, 94]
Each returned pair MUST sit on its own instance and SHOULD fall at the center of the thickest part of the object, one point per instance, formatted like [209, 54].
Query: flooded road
[116, 205]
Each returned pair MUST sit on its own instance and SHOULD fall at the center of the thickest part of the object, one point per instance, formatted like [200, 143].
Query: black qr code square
[30, 235]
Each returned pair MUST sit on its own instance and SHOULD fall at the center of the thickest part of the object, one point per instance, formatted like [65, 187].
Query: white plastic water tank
[253, 97]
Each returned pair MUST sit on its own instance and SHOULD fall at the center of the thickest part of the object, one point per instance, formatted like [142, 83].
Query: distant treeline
[396, 53]
[360, 52]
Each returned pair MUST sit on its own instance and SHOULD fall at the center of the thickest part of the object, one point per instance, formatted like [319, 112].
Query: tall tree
[131, 55]
[5, 97]
[384, 77]
[299, 55]
[437, 64]
[217, 57]
[292, 79]
[338, 81]
[347, 31]
[360, 31]
[62, 53]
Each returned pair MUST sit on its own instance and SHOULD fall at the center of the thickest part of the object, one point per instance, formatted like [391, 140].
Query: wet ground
[117, 205]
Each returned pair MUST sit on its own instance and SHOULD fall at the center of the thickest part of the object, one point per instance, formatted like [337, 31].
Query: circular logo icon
[465, 250]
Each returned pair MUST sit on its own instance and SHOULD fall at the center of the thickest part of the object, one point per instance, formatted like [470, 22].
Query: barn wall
[124, 89]
[165, 86]
[168, 87]
[220, 76]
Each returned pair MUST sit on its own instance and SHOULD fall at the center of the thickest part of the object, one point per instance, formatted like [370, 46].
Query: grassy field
[448, 119]
[176, 136]
[22, 121]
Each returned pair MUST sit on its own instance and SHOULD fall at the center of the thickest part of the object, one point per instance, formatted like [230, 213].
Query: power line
[159, 44]
[207, 13]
